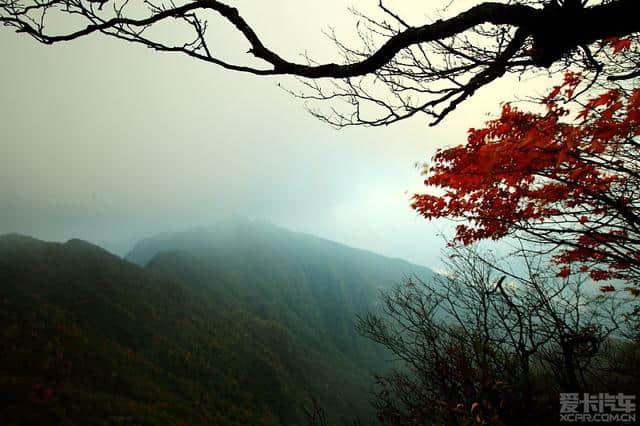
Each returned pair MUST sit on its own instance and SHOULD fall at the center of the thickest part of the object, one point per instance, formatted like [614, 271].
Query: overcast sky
[111, 142]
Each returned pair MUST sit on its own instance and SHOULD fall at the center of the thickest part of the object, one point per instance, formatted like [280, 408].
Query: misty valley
[247, 323]
[240, 323]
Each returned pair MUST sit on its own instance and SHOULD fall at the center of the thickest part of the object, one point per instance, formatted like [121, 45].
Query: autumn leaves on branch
[558, 179]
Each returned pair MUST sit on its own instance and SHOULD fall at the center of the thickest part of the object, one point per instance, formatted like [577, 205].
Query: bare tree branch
[465, 52]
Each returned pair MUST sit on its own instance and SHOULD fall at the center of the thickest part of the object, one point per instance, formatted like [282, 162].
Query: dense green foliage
[238, 324]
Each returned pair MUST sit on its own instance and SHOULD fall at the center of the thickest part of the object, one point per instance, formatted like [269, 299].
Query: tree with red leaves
[564, 182]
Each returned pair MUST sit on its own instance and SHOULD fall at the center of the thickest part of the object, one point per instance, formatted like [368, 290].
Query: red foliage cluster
[572, 183]
[618, 44]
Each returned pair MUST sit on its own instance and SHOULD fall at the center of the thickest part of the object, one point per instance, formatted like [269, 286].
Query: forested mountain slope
[312, 286]
[243, 331]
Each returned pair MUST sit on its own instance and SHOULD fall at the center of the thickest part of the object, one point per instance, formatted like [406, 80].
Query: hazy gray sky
[111, 142]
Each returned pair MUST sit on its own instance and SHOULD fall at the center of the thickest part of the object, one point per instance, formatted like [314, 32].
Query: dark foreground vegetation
[245, 324]
[497, 343]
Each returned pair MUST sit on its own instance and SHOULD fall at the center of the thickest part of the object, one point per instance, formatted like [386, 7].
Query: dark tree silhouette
[429, 68]
[483, 344]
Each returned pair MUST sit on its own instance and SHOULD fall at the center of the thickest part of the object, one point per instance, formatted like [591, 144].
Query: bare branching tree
[487, 344]
[399, 69]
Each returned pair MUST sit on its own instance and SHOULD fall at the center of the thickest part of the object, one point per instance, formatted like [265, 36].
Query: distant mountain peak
[16, 236]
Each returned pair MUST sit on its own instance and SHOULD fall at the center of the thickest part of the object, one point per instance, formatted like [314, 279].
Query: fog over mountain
[114, 142]
[240, 323]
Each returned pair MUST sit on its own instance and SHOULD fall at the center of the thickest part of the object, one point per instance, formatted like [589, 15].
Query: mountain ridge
[244, 332]
[141, 259]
